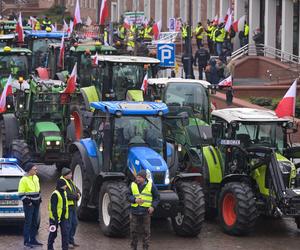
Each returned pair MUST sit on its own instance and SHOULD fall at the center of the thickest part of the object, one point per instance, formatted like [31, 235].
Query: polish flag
[71, 26]
[54, 27]
[228, 13]
[95, 59]
[103, 12]
[32, 21]
[71, 83]
[216, 19]
[65, 27]
[241, 23]
[77, 18]
[221, 20]
[286, 107]
[145, 83]
[156, 29]
[6, 92]
[19, 29]
[226, 82]
[61, 53]
[228, 23]
[126, 23]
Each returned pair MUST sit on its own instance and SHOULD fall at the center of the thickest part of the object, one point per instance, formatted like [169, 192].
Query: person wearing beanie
[59, 215]
[73, 195]
[29, 192]
[144, 198]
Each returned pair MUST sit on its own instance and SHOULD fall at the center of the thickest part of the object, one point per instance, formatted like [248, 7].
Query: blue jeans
[72, 223]
[219, 48]
[31, 222]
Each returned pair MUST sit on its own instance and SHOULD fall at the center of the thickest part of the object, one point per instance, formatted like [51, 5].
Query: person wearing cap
[29, 192]
[73, 195]
[59, 215]
[144, 198]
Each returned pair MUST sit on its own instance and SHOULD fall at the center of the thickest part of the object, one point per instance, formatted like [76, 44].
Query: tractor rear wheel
[190, 216]
[114, 209]
[237, 208]
[81, 180]
[20, 150]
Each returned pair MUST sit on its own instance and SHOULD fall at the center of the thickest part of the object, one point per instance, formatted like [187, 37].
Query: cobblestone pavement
[270, 234]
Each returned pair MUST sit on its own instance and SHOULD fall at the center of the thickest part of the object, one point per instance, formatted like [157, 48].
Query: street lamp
[188, 44]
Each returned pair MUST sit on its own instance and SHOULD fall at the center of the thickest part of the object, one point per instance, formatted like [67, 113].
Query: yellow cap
[48, 29]
[98, 43]
[7, 49]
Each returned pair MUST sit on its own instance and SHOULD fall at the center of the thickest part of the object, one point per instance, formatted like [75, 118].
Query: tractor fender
[213, 160]
[11, 128]
[237, 178]
[185, 176]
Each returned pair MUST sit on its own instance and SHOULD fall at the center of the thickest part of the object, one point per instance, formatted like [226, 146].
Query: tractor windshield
[136, 130]
[40, 51]
[16, 65]
[191, 96]
[269, 134]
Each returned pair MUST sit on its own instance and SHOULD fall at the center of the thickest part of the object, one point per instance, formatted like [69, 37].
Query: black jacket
[202, 56]
[73, 195]
[143, 210]
[258, 38]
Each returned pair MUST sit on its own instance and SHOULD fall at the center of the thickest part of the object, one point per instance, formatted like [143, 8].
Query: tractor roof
[92, 47]
[166, 81]
[45, 34]
[131, 108]
[16, 51]
[247, 115]
[127, 59]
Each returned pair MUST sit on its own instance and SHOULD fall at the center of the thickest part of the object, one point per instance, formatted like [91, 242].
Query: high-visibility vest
[147, 33]
[184, 32]
[29, 187]
[59, 207]
[70, 202]
[105, 36]
[37, 26]
[213, 36]
[197, 31]
[122, 32]
[221, 37]
[246, 30]
[145, 195]
[210, 29]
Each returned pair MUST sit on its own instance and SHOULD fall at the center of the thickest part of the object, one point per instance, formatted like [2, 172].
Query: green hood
[42, 127]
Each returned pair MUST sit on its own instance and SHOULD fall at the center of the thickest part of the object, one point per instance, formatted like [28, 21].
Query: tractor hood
[141, 157]
[48, 130]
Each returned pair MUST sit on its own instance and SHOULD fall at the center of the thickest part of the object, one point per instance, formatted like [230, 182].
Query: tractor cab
[9, 27]
[38, 42]
[256, 152]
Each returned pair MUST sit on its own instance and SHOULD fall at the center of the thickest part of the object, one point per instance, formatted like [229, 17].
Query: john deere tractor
[127, 137]
[39, 127]
[258, 175]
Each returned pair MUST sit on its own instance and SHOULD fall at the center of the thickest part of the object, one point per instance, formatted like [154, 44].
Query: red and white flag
[226, 82]
[95, 59]
[19, 29]
[239, 24]
[156, 29]
[228, 23]
[54, 27]
[71, 26]
[65, 27]
[32, 21]
[71, 83]
[61, 53]
[286, 107]
[6, 92]
[216, 19]
[103, 12]
[77, 18]
[145, 83]
[126, 23]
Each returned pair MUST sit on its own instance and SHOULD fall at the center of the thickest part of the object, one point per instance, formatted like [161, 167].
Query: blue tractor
[125, 138]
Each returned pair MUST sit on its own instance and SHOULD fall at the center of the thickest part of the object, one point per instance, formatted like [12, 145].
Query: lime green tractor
[39, 129]
[258, 175]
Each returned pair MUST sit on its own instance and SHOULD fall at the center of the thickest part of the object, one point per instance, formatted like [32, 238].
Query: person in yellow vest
[220, 34]
[130, 38]
[46, 23]
[29, 192]
[59, 215]
[213, 38]
[144, 198]
[73, 195]
[121, 32]
[148, 32]
[209, 30]
[246, 33]
[199, 30]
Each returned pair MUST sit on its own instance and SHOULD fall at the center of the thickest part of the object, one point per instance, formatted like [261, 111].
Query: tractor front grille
[158, 177]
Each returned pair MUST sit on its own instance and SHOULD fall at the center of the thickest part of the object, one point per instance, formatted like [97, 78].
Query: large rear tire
[81, 180]
[114, 209]
[190, 215]
[237, 208]
[20, 150]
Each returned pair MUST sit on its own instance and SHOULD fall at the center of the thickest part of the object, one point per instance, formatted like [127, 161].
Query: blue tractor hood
[141, 157]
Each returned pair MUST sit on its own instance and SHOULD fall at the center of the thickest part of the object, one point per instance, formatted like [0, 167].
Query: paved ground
[270, 234]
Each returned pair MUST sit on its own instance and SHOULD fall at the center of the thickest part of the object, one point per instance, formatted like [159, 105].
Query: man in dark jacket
[201, 57]
[258, 38]
[185, 62]
[144, 198]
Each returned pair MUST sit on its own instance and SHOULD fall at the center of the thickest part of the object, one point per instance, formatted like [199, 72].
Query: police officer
[144, 198]
[201, 57]
[73, 195]
[59, 215]
[29, 191]
[199, 30]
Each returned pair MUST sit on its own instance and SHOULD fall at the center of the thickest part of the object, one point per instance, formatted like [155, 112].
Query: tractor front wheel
[114, 209]
[189, 217]
[237, 208]
[20, 150]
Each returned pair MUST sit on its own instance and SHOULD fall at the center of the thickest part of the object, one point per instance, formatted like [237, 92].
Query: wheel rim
[77, 179]
[105, 206]
[228, 209]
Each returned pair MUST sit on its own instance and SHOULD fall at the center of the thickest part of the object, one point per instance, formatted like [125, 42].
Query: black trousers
[64, 228]
[201, 69]
[199, 42]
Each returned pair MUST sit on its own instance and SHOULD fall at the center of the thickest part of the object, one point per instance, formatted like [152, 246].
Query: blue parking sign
[166, 54]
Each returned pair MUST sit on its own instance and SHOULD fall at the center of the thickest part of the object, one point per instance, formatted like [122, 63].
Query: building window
[114, 12]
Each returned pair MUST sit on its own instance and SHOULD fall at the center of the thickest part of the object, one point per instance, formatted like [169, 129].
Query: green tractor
[39, 129]
[9, 26]
[127, 137]
[258, 176]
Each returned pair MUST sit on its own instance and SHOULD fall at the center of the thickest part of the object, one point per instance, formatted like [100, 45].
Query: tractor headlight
[285, 166]
[149, 175]
[48, 143]
[8, 106]
[167, 177]
[57, 143]
[21, 106]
